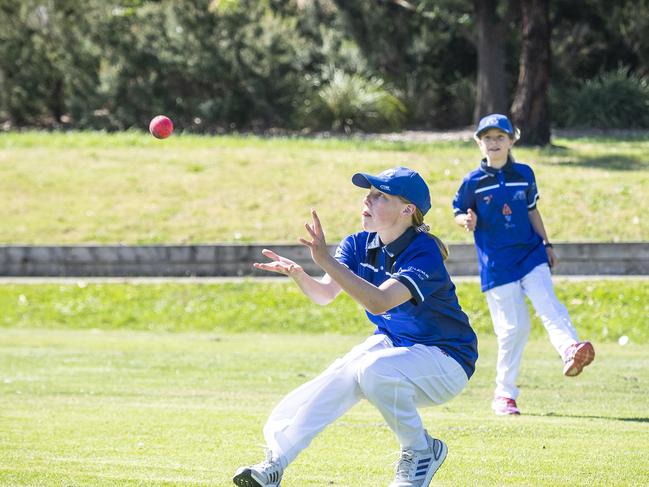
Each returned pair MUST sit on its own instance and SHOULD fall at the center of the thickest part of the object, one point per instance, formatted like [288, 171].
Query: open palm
[278, 264]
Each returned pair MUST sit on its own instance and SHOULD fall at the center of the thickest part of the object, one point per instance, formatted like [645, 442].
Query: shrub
[614, 100]
[352, 102]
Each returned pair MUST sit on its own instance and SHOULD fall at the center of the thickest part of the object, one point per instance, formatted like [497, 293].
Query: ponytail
[420, 226]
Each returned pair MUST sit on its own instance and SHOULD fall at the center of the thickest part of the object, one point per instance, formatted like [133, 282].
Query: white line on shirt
[413, 283]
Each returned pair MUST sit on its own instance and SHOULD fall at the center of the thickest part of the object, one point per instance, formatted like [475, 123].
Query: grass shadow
[614, 135]
[581, 416]
[562, 155]
[607, 163]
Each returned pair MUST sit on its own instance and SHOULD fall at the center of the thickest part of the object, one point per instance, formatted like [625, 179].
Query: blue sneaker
[416, 468]
[265, 474]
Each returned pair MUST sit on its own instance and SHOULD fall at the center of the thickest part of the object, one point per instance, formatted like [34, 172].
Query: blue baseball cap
[495, 121]
[399, 181]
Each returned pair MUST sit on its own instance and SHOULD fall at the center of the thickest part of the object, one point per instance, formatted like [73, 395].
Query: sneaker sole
[438, 461]
[244, 478]
[507, 413]
[499, 411]
[583, 357]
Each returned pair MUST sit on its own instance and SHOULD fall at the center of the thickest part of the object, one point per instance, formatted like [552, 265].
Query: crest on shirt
[519, 195]
[487, 199]
[420, 273]
[507, 212]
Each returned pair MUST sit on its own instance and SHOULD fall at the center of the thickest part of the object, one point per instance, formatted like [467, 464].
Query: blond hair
[420, 226]
[418, 223]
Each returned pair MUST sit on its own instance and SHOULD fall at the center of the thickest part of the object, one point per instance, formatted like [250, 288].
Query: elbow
[324, 299]
[376, 308]
[379, 303]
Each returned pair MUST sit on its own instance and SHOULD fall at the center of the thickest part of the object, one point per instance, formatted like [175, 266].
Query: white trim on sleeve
[421, 296]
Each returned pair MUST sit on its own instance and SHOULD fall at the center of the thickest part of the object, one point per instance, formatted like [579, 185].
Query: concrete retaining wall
[236, 260]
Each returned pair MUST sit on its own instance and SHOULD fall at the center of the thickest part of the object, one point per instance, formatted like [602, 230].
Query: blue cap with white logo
[399, 181]
[495, 121]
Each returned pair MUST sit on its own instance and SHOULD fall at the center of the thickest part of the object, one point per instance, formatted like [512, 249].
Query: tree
[531, 108]
[491, 87]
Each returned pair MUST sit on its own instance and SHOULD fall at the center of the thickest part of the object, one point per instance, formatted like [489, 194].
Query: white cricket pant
[394, 379]
[511, 321]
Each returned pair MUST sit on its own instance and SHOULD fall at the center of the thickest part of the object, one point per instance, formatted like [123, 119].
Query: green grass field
[602, 310]
[170, 384]
[123, 407]
[72, 188]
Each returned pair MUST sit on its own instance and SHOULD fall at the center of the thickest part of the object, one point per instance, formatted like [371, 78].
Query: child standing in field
[497, 202]
[423, 350]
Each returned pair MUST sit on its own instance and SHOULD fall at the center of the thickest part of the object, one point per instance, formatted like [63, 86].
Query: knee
[373, 375]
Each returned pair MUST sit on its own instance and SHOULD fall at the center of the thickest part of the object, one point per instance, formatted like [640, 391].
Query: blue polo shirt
[508, 247]
[433, 317]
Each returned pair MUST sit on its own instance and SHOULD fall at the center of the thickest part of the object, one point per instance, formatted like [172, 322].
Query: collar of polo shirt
[397, 246]
[493, 171]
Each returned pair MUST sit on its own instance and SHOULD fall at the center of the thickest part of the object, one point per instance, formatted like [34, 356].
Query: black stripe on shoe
[244, 479]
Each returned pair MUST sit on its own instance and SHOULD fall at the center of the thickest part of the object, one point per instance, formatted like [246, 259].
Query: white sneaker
[577, 357]
[416, 468]
[265, 474]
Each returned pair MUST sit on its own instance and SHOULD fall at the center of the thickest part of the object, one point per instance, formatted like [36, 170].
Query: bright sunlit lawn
[84, 407]
[170, 384]
[131, 188]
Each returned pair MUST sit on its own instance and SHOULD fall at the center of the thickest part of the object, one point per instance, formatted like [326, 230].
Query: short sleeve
[346, 253]
[464, 198]
[532, 192]
[424, 274]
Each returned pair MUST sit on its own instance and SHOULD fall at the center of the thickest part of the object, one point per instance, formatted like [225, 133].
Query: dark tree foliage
[47, 60]
[223, 65]
[426, 52]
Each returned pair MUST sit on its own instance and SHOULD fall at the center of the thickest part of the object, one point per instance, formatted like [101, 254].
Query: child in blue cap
[423, 350]
[497, 202]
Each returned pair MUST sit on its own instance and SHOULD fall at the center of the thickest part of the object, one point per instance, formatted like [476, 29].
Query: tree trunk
[530, 109]
[491, 94]
[56, 103]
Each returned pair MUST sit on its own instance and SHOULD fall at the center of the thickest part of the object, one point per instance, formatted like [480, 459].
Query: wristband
[548, 244]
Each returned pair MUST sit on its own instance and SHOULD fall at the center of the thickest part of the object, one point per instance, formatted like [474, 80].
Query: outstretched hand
[317, 245]
[278, 264]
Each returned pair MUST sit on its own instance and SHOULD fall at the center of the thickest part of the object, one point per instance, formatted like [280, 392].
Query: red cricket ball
[161, 127]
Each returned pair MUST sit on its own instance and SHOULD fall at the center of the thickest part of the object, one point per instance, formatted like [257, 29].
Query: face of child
[495, 145]
[382, 211]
